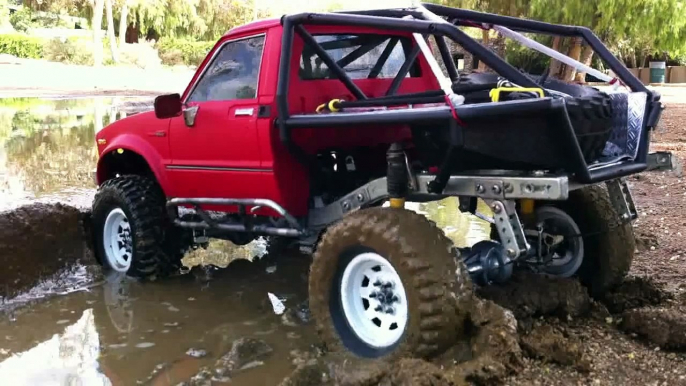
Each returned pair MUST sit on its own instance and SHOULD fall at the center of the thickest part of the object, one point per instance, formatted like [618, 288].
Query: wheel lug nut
[377, 283]
[395, 299]
[378, 309]
[372, 295]
[390, 311]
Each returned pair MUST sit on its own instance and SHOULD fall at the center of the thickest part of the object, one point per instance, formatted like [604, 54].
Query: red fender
[136, 144]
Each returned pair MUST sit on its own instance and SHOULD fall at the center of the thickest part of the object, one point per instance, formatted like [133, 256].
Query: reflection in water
[48, 146]
[69, 358]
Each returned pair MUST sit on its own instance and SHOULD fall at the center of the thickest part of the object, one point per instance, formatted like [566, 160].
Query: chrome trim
[217, 168]
[189, 115]
[214, 56]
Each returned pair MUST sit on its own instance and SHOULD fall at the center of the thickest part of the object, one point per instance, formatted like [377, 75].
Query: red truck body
[225, 155]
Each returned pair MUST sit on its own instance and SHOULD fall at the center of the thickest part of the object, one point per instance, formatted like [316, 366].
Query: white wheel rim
[374, 300]
[118, 241]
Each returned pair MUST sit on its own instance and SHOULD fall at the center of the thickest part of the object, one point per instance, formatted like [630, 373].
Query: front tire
[132, 233]
[384, 283]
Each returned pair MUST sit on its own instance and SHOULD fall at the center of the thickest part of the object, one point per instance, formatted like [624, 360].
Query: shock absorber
[397, 179]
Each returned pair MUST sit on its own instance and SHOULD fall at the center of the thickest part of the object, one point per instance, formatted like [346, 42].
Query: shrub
[21, 46]
[71, 50]
[183, 51]
[22, 20]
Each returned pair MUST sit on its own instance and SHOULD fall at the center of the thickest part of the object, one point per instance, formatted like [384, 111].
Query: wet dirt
[37, 242]
[215, 324]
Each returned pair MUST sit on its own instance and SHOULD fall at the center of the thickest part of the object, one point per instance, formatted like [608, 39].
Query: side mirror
[167, 106]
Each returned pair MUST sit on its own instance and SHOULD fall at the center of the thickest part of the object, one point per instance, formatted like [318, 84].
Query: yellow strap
[320, 108]
[495, 93]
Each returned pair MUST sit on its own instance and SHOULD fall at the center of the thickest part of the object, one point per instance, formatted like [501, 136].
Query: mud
[532, 295]
[635, 292]
[38, 242]
[664, 327]
[548, 344]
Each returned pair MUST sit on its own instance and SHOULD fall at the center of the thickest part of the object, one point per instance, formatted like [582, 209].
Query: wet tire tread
[420, 253]
[157, 246]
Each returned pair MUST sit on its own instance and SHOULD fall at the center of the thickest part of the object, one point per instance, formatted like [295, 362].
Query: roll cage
[442, 22]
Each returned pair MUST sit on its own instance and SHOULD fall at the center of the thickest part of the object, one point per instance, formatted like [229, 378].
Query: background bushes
[78, 50]
[182, 51]
[21, 46]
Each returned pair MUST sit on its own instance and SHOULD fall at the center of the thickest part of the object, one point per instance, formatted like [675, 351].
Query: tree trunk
[555, 64]
[123, 23]
[110, 31]
[97, 26]
[485, 40]
[632, 59]
[574, 53]
[586, 58]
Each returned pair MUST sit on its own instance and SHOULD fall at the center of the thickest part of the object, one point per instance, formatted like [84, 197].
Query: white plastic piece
[277, 304]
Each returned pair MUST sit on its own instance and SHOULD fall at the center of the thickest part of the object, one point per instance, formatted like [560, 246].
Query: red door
[214, 144]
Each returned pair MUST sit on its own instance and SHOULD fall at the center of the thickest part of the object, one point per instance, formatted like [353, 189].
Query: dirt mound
[634, 292]
[665, 327]
[548, 343]
[530, 295]
[37, 241]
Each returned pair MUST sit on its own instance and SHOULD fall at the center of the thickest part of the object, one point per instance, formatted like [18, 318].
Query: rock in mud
[548, 344]
[634, 292]
[37, 241]
[665, 327]
[243, 352]
[529, 294]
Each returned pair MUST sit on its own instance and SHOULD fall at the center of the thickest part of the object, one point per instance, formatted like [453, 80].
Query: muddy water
[61, 321]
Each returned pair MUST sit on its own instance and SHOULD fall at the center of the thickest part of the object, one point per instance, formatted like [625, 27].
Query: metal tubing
[333, 66]
[507, 21]
[260, 202]
[404, 69]
[257, 229]
[447, 59]
[404, 116]
[383, 58]
[391, 102]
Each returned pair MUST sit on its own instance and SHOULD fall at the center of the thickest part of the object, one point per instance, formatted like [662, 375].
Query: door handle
[245, 112]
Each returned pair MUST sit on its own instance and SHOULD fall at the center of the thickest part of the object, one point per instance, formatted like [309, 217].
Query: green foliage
[22, 20]
[183, 51]
[21, 46]
[526, 59]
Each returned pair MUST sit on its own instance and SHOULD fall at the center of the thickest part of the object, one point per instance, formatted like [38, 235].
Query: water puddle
[239, 322]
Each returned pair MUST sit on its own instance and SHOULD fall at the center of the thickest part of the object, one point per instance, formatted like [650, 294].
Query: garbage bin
[657, 72]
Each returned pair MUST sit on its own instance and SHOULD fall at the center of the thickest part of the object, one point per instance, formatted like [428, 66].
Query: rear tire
[419, 286]
[132, 232]
[609, 249]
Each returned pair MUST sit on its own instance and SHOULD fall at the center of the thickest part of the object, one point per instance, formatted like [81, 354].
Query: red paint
[222, 141]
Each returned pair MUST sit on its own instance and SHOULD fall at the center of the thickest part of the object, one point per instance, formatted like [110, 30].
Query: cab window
[233, 73]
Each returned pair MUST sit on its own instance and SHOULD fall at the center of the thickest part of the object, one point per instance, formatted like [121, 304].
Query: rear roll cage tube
[462, 17]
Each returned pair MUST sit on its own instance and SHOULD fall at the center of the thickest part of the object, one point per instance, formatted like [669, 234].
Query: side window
[363, 56]
[233, 73]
